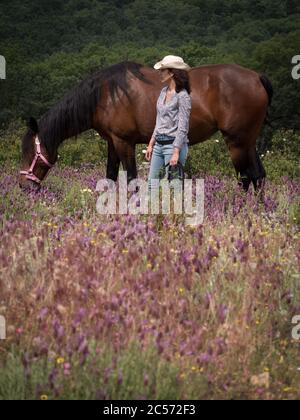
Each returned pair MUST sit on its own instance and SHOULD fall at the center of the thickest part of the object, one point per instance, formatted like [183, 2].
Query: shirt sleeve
[156, 125]
[185, 105]
[157, 116]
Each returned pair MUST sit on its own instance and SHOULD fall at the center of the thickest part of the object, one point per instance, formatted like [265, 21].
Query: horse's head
[35, 159]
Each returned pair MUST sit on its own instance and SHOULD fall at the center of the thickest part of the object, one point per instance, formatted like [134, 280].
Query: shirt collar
[166, 87]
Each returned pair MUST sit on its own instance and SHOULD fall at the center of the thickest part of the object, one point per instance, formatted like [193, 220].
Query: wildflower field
[145, 307]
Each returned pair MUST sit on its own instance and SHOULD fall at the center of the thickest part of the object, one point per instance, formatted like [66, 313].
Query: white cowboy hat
[171, 62]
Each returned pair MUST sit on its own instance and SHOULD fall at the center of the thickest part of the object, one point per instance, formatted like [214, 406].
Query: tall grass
[145, 307]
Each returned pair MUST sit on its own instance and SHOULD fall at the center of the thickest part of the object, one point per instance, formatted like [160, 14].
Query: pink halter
[38, 154]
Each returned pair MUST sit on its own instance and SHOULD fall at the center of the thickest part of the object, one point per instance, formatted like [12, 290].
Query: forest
[50, 46]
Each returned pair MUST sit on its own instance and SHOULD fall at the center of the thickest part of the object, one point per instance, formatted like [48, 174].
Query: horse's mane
[76, 109]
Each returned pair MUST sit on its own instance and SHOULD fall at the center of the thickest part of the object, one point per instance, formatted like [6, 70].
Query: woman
[169, 141]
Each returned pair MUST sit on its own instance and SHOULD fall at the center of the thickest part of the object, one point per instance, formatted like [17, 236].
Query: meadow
[145, 307]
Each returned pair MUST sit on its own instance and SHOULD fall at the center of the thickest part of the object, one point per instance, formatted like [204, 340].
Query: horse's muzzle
[27, 185]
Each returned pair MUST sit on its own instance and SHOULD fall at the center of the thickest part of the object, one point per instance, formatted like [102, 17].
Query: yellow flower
[125, 251]
[181, 290]
[44, 398]
[194, 368]
[60, 360]
[283, 343]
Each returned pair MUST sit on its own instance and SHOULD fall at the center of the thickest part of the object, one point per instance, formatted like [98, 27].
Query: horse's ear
[33, 125]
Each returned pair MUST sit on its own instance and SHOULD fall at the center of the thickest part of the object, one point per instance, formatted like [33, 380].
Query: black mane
[75, 111]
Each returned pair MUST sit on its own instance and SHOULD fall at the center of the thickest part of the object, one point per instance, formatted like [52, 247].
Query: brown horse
[119, 102]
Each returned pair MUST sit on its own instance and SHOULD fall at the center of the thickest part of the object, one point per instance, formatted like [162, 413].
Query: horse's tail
[270, 91]
[268, 86]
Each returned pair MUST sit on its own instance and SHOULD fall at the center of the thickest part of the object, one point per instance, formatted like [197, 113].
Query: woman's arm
[156, 121]
[155, 129]
[185, 105]
[152, 140]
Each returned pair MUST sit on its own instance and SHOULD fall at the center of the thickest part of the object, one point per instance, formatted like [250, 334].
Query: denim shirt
[173, 117]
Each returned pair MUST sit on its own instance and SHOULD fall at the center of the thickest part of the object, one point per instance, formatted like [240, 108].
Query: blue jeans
[162, 155]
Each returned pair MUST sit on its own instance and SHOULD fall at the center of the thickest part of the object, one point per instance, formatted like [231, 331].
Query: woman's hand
[149, 152]
[175, 157]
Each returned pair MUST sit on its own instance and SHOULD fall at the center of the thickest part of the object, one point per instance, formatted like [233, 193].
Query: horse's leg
[246, 161]
[126, 154]
[250, 169]
[239, 157]
[113, 162]
[262, 173]
[257, 172]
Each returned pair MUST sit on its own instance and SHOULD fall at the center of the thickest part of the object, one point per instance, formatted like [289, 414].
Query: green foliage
[283, 158]
[10, 142]
[133, 374]
[69, 40]
[88, 148]
[210, 157]
[295, 212]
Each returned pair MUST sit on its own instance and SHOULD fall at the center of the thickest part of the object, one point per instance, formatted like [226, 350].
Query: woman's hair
[181, 78]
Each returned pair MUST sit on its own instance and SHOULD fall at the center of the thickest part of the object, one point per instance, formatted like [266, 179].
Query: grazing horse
[119, 102]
